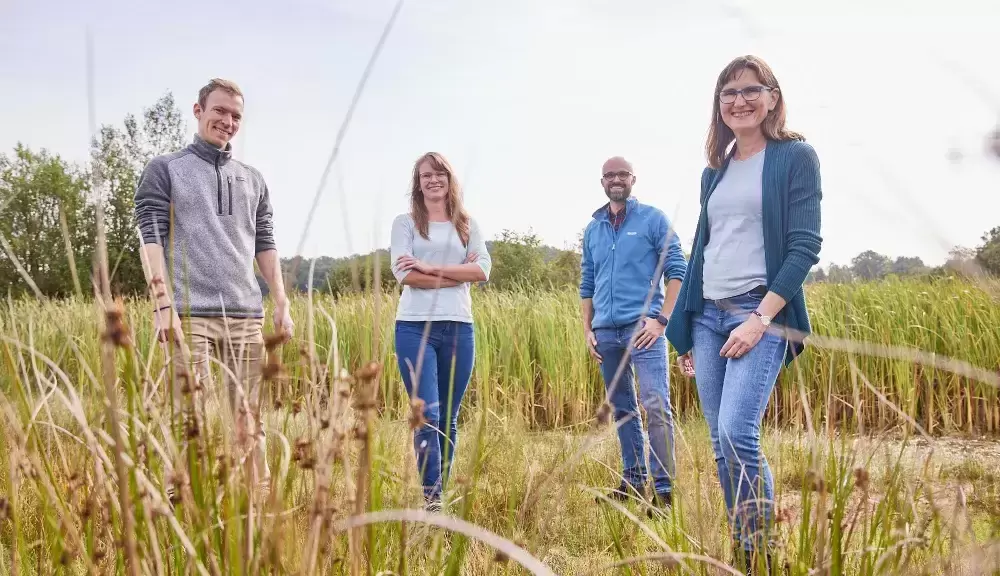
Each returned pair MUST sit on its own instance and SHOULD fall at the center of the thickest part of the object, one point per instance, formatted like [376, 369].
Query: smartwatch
[661, 319]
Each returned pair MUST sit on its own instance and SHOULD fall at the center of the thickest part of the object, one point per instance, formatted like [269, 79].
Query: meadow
[882, 438]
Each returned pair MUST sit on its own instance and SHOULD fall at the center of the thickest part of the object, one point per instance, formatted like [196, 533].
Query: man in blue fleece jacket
[627, 248]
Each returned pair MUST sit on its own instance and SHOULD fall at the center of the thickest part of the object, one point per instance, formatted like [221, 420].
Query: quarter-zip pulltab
[230, 180]
[218, 176]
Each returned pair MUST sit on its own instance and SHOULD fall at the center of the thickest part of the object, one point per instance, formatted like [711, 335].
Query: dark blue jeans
[733, 393]
[654, 385]
[441, 380]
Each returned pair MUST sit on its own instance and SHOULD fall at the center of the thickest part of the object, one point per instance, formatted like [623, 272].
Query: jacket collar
[602, 213]
[210, 153]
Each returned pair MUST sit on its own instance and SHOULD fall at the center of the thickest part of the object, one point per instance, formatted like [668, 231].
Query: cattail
[861, 478]
[604, 414]
[303, 453]
[417, 418]
[814, 482]
[784, 516]
[272, 341]
[4, 509]
[115, 330]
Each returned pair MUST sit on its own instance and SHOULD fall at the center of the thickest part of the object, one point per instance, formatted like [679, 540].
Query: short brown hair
[721, 136]
[214, 84]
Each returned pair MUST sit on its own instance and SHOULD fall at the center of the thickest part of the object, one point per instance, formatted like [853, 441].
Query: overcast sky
[528, 98]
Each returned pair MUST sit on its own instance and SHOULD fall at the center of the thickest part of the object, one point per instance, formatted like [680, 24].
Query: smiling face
[434, 182]
[745, 101]
[617, 179]
[219, 118]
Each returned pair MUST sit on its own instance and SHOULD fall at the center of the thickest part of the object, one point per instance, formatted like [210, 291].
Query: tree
[840, 274]
[39, 192]
[518, 261]
[357, 274]
[870, 265]
[962, 260]
[564, 269]
[988, 254]
[908, 266]
[817, 274]
[120, 156]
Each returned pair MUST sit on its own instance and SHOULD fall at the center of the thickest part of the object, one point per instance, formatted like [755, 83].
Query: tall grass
[531, 460]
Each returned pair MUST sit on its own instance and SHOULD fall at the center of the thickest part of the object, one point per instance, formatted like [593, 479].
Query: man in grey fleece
[210, 215]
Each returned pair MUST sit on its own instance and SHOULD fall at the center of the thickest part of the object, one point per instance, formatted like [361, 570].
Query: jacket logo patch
[631, 233]
[240, 179]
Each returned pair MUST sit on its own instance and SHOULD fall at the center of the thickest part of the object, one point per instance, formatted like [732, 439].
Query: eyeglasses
[621, 174]
[750, 93]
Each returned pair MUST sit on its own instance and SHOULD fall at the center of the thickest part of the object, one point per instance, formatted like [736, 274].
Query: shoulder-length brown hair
[721, 136]
[453, 203]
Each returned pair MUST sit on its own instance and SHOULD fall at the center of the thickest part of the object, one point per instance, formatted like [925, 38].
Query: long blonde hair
[721, 136]
[453, 203]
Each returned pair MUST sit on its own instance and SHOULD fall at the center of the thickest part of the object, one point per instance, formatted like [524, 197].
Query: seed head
[368, 372]
[861, 478]
[115, 330]
[814, 482]
[784, 516]
[272, 341]
[604, 414]
[417, 418]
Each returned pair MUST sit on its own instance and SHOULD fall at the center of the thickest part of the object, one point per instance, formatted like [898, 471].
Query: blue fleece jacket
[619, 268]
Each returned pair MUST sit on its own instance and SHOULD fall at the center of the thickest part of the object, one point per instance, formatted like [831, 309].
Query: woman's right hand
[686, 363]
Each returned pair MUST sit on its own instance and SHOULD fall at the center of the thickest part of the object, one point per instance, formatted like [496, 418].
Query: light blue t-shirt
[734, 255]
[442, 247]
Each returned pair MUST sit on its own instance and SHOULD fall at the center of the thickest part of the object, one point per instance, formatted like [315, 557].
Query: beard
[616, 196]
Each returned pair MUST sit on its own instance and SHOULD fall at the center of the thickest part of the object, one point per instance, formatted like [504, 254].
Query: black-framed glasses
[621, 174]
[750, 93]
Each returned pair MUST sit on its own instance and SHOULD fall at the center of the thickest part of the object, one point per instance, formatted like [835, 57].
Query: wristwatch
[765, 320]
[661, 319]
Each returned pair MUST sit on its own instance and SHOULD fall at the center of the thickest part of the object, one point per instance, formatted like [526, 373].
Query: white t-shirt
[734, 255]
[442, 247]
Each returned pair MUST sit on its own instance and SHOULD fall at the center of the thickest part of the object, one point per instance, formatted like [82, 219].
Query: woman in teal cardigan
[741, 313]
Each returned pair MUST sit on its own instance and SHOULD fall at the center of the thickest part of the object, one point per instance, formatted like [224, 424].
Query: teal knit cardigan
[791, 195]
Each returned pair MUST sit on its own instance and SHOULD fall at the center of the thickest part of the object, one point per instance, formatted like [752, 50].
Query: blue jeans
[734, 394]
[651, 367]
[442, 379]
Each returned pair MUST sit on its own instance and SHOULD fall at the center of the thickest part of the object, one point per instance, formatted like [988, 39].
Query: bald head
[617, 179]
[615, 164]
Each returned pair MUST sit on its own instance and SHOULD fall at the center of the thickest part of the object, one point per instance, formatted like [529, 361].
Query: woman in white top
[437, 251]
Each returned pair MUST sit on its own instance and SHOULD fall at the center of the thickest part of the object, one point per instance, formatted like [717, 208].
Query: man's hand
[743, 338]
[283, 319]
[167, 325]
[592, 346]
[686, 363]
[407, 262]
[651, 330]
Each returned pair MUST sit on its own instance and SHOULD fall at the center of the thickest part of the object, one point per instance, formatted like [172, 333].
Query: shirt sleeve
[152, 202]
[586, 268]
[477, 245]
[401, 243]
[264, 236]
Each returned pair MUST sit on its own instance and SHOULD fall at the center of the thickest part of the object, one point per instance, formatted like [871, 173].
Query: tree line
[48, 208]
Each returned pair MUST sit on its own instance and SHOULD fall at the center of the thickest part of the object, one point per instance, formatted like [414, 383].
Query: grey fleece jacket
[221, 219]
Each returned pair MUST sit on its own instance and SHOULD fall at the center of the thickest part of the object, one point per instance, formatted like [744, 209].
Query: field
[882, 438]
